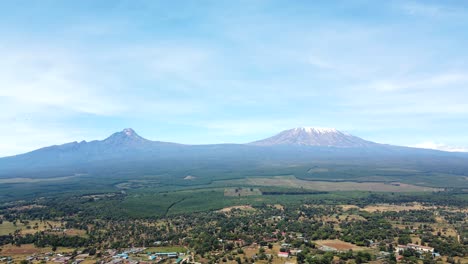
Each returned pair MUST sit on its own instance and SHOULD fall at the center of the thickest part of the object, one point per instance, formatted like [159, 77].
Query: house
[115, 261]
[122, 256]
[167, 254]
[295, 251]
[421, 248]
[61, 259]
[285, 245]
[283, 254]
[418, 248]
[400, 248]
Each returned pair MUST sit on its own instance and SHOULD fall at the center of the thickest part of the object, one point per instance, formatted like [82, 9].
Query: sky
[198, 71]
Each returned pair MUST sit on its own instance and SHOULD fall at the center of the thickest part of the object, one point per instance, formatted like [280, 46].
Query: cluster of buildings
[415, 247]
[288, 251]
[418, 248]
[120, 258]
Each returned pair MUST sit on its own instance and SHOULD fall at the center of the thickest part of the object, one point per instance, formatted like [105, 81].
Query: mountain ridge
[126, 150]
[291, 137]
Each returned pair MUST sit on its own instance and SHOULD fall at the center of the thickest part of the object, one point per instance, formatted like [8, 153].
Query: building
[295, 251]
[418, 248]
[167, 254]
[400, 248]
[283, 254]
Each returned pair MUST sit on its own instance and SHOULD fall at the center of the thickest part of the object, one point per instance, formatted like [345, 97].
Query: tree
[300, 257]
[404, 239]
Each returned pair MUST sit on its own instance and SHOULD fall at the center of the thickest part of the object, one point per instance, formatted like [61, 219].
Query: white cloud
[426, 9]
[440, 146]
[42, 78]
[440, 80]
[414, 8]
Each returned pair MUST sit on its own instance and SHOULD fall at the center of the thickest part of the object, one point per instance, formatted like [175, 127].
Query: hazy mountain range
[126, 149]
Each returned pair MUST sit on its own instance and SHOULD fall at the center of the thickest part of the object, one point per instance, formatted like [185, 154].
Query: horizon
[233, 72]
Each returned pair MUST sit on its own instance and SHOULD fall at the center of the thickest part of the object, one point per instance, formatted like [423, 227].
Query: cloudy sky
[233, 71]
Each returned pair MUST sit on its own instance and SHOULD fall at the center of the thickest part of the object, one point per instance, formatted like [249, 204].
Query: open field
[238, 207]
[11, 250]
[166, 249]
[29, 249]
[396, 208]
[339, 245]
[241, 192]
[35, 180]
[290, 181]
[7, 227]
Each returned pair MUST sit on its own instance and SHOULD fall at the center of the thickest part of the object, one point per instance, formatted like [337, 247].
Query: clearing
[396, 208]
[293, 182]
[338, 244]
[238, 192]
[239, 207]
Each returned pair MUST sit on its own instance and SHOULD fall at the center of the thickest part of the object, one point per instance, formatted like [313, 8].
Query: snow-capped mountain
[126, 151]
[310, 136]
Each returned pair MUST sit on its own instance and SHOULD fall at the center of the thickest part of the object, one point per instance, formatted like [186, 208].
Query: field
[166, 249]
[241, 192]
[338, 244]
[20, 253]
[35, 180]
[290, 181]
[7, 227]
[396, 208]
[239, 207]
[317, 174]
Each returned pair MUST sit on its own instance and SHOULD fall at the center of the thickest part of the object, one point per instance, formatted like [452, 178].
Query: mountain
[120, 146]
[126, 152]
[309, 136]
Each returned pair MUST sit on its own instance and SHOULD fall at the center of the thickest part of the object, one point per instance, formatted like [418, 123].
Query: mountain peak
[320, 130]
[129, 132]
[314, 136]
[126, 135]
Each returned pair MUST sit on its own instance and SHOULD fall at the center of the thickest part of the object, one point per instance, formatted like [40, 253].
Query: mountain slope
[124, 145]
[307, 136]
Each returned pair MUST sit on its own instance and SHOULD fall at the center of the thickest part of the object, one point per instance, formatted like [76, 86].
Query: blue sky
[233, 71]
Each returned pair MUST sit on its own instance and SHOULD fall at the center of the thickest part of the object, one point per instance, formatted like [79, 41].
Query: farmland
[321, 211]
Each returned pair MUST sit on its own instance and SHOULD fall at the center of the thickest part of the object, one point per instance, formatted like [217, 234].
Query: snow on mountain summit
[312, 136]
[317, 129]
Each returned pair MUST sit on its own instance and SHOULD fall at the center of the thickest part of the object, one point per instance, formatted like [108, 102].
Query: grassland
[166, 249]
[291, 181]
[33, 226]
[339, 245]
[241, 192]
